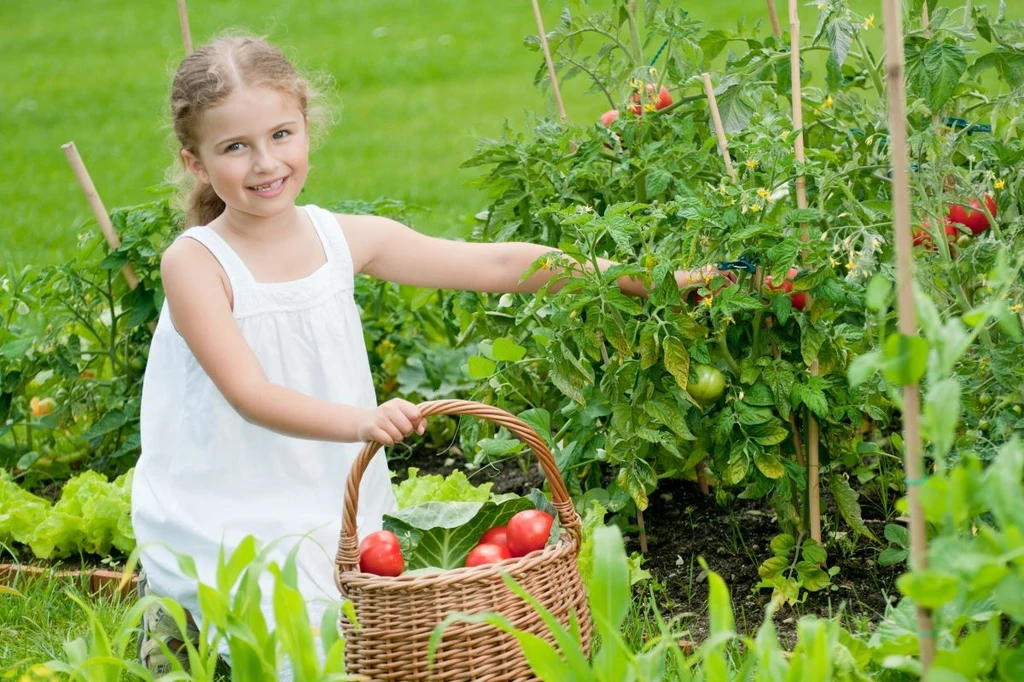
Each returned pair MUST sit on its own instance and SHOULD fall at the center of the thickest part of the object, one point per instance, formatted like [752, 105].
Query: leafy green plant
[897, 551]
[92, 516]
[232, 619]
[796, 565]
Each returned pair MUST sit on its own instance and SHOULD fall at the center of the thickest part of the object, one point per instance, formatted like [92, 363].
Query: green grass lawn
[419, 82]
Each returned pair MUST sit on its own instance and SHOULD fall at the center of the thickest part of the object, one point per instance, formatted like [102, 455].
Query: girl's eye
[281, 134]
[233, 146]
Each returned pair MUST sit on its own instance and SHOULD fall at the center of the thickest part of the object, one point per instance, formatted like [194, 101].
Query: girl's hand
[391, 422]
[691, 279]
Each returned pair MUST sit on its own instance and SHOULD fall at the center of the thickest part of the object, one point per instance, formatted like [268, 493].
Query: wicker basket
[397, 615]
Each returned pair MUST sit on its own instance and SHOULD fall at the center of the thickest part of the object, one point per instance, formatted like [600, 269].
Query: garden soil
[682, 525]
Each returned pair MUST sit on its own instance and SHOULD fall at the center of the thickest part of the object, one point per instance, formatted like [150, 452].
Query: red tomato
[799, 299]
[662, 100]
[609, 116]
[528, 531]
[487, 553]
[922, 238]
[380, 553]
[497, 536]
[974, 217]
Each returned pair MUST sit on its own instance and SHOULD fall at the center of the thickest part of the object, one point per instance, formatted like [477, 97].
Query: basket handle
[348, 548]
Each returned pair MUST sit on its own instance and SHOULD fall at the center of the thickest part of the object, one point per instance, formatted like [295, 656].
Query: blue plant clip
[742, 263]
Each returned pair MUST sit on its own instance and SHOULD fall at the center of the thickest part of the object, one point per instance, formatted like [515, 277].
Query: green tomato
[707, 385]
[984, 425]
[985, 400]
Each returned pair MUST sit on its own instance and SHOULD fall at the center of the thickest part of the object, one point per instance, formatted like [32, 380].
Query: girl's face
[254, 150]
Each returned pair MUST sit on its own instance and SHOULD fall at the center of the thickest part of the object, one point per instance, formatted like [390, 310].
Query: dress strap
[333, 238]
[238, 274]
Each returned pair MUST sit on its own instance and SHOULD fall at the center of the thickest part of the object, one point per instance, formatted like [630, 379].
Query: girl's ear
[194, 166]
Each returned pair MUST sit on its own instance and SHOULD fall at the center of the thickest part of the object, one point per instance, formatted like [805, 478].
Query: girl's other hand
[391, 422]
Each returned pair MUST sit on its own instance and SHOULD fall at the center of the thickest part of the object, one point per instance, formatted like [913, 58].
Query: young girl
[258, 390]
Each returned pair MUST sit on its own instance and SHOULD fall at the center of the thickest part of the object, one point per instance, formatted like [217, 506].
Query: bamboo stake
[905, 304]
[186, 34]
[548, 59]
[813, 466]
[96, 204]
[716, 117]
[775, 19]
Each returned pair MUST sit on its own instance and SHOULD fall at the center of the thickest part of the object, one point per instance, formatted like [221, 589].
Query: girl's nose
[263, 161]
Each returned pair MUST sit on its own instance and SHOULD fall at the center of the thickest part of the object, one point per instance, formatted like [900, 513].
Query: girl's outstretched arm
[389, 250]
[199, 297]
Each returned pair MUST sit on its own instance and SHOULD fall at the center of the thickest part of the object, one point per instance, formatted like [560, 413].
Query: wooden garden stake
[775, 19]
[99, 211]
[548, 59]
[716, 117]
[96, 204]
[894, 67]
[186, 35]
[813, 467]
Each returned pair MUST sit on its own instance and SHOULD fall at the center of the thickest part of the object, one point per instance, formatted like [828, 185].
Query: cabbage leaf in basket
[440, 534]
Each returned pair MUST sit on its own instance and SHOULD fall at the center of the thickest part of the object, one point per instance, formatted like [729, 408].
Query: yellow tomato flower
[755, 208]
[707, 301]
[828, 102]
[650, 107]
[869, 22]
[1000, 183]
[1017, 308]
[763, 193]
[751, 163]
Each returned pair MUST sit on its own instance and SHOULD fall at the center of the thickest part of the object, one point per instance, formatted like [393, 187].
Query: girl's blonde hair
[206, 77]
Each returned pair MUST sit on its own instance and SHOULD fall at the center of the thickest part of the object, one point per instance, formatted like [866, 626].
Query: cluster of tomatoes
[972, 217]
[527, 531]
[660, 100]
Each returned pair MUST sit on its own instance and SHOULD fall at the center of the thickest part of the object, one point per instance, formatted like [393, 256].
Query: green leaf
[846, 500]
[929, 588]
[942, 415]
[751, 416]
[455, 487]
[811, 395]
[110, 421]
[890, 556]
[507, 350]
[637, 477]
[677, 360]
[769, 465]
[782, 544]
[904, 359]
[735, 108]
[648, 346]
[935, 71]
[440, 534]
[878, 293]
[897, 535]
[863, 368]
[480, 367]
[813, 552]
[608, 590]
[811, 576]
[669, 413]
[768, 435]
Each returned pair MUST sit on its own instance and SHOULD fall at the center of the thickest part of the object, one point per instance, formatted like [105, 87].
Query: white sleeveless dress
[207, 477]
